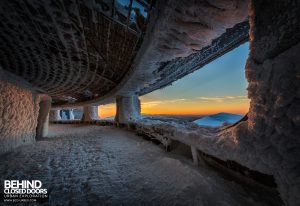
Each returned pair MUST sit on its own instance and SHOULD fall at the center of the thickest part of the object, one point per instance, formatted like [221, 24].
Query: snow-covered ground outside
[109, 118]
[219, 119]
[214, 120]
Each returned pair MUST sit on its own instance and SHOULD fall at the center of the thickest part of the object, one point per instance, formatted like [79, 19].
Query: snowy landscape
[213, 120]
[219, 119]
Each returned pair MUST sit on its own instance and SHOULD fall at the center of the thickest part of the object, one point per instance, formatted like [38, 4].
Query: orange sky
[107, 110]
[196, 106]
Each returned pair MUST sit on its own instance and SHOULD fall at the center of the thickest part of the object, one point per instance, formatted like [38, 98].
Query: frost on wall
[273, 72]
[18, 116]
[268, 141]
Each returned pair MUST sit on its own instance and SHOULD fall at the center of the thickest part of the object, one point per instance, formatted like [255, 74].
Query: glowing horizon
[217, 87]
[107, 110]
[197, 106]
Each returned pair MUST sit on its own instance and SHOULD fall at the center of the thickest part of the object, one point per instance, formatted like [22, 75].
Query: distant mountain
[171, 118]
[109, 118]
[218, 119]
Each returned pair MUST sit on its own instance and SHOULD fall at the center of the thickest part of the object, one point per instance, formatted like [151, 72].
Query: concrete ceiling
[91, 51]
[72, 50]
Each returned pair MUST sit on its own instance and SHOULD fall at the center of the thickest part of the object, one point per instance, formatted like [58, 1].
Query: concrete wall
[273, 72]
[18, 116]
[269, 141]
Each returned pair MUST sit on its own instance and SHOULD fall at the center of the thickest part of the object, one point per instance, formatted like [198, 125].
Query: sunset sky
[217, 87]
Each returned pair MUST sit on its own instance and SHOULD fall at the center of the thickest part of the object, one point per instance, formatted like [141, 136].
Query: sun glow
[197, 106]
[108, 110]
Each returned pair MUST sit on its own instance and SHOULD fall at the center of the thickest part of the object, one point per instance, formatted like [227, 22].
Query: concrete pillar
[63, 114]
[90, 113]
[128, 109]
[43, 118]
[54, 115]
[273, 73]
[71, 114]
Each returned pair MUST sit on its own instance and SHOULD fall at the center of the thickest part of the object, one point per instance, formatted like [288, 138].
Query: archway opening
[214, 95]
[107, 111]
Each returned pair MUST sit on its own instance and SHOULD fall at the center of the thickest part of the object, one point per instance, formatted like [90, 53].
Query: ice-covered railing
[218, 144]
[168, 131]
[78, 121]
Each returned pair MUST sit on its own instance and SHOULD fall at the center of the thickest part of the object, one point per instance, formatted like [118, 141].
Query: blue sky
[221, 80]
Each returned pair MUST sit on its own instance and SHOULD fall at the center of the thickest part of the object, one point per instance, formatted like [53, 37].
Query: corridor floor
[94, 165]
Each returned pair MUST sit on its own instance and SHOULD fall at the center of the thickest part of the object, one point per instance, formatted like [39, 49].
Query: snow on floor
[94, 165]
[218, 119]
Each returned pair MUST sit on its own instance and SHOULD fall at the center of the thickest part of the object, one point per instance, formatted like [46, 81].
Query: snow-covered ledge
[90, 113]
[128, 109]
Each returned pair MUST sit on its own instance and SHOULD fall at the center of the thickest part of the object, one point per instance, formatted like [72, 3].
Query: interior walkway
[94, 165]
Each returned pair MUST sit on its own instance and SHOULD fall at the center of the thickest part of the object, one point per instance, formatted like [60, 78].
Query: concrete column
[54, 115]
[43, 118]
[128, 109]
[90, 113]
[71, 114]
[273, 73]
[63, 115]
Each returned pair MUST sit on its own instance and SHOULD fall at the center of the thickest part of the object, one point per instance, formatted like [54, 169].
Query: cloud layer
[155, 103]
[222, 98]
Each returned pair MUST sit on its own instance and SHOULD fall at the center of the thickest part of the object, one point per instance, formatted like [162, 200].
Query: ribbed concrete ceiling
[90, 51]
[74, 50]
